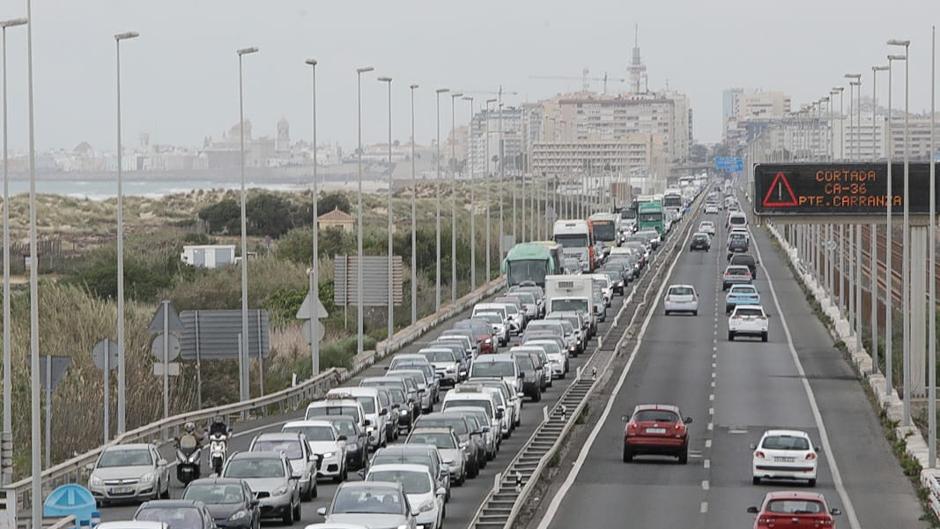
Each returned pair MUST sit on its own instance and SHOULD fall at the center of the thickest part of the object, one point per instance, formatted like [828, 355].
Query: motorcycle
[218, 445]
[188, 454]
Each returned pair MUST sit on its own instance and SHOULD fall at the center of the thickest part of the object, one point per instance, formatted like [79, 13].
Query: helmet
[190, 427]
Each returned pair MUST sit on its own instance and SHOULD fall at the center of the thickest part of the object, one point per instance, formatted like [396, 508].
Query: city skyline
[179, 77]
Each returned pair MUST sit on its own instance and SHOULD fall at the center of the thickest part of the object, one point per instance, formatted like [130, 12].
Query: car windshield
[656, 416]
[749, 312]
[254, 468]
[439, 439]
[524, 361]
[489, 317]
[122, 457]
[351, 411]
[604, 230]
[550, 347]
[313, 433]
[412, 482]
[736, 236]
[681, 291]
[574, 240]
[737, 220]
[527, 270]
[485, 404]
[737, 272]
[793, 506]
[290, 448]
[174, 517]
[394, 459]
[701, 237]
[785, 442]
[439, 356]
[212, 494]
[367, 403]
[368, 500]
[492, 369]
[457, 423]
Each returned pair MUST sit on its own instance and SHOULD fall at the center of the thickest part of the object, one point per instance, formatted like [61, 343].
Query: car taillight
[759, 454]
[811, 456]
[631, 426]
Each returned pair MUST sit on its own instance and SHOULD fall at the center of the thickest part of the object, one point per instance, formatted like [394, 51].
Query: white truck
[571, 293]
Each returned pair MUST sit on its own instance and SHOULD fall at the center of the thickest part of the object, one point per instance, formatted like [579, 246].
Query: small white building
[208, 255]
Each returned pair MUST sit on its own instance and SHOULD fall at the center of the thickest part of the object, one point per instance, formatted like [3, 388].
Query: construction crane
[585, 79]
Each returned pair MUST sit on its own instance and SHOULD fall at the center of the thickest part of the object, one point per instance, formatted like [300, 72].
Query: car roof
[432, 429]
[794, 495]
[663, 407]
[415, 448]
[130, 446]
[737, 267]
[748, 307]
[791, 433]
[401, 467]
[682, 285]
[277, 436]
[216, 481]
[309, 423]
[132, 525]
[256, 455]
[370, 484]
[172, 503]
[742, 287]
[501, 357]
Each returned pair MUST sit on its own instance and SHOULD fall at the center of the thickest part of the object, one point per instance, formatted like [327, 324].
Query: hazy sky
[179, 78]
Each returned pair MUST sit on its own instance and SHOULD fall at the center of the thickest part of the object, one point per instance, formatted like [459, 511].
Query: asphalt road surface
[735, 391]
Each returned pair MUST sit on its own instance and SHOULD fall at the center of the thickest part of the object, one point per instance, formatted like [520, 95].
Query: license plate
[785, 459]
[121, 490]
[655, 430]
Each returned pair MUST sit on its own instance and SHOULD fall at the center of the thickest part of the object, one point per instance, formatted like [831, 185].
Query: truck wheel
[730, 336]
[763, 336]
[627, 455]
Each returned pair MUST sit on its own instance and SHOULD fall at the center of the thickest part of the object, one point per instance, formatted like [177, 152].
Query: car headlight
[238, 515]
[148, 477]
[402, 527]
[403, 413]
[329, 454]
[464, 445]
[448, 462]
[280, 492]
[370, 429]
[95, 481]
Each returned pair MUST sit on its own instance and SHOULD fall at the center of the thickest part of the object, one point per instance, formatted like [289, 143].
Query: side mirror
[342, 438]
[367, 422]
[384, 411]
[254, 503]
[521, 375]
[90, 467]
[752, 446]
[752, 510]
[499, 414]
[422, 391]
[486, 429]
[625, 418]
[835, 511]
[321, 511]
[520, 395]
[295, 477]
[385, 368]
[687, 420]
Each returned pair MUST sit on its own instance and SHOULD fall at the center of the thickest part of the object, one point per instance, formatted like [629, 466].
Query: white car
[419, 488]
[785, 454]
[326, 443]
[681, 298]
[707, 226]
[748, 320]
[711, 209]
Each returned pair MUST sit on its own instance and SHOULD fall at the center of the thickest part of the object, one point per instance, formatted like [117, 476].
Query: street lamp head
[879, 68]
[898, 42]
[837, 89]
[13, 22]
[456, 95]
[384, 79]
[855, 83]
[442, 90]
[364, 70]
[127, 35]
[311, 62]
[824, 99]
[413, 86]
[493, 100]
[246, 51]
[468, 98]
[853, 75]
[897, 57]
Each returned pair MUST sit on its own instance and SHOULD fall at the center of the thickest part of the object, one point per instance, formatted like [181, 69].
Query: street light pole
[122, 358]
[489, 194]
[414, 214]
[360, 263]
[7, 438]
[35, 435]
[473, 213]
[499, 155]
[873, 228]
[889, 243]
[437, 186]
[243, 356]
[314, 287]
[391, 307]
[932, 265]
[453, 197]
[906, 250]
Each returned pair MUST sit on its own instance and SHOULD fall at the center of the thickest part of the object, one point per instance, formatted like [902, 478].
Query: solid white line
[847, 506]
[586, 448]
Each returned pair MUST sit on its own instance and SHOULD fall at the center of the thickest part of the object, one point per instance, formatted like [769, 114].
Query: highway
[734, 391]
[465, 500]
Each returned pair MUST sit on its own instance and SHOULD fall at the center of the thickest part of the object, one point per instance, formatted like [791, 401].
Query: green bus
[651, 215]
[532, 261]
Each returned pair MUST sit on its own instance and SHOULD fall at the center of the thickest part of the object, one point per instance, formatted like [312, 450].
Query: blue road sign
[731, 164]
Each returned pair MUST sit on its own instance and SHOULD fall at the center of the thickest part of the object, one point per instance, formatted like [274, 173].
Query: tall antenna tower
[636, 69]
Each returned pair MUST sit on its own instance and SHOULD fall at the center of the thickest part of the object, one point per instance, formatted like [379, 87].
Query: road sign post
[105, 354]
[53, 371]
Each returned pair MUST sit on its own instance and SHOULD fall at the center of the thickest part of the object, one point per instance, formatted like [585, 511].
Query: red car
[656, 429]
[794, 510]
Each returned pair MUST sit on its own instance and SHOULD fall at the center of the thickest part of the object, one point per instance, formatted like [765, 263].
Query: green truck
[532, 261]
[651, 215]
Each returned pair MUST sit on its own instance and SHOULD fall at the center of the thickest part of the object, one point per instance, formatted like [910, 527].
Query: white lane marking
[586, 448]
[847, 506]
[711, 426]
[708, 443]
[707, 463]
[711, 411]
[711, 397]
[704, 507]
[705, 485]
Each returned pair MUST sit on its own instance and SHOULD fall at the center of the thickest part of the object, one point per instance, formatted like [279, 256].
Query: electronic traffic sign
[840, 189]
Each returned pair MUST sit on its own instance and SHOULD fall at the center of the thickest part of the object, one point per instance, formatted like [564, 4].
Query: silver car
[304, 463]
[449, 447]
[372, 504]
[271, 479]
[129, 472]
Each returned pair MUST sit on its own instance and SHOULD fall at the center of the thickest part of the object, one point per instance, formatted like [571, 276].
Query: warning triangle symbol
[780, 194]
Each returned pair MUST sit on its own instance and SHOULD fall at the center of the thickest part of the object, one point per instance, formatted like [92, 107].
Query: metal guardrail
[161, 432]
[503, 503]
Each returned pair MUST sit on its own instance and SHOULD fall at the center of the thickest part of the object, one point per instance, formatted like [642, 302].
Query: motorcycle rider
[188, 449]
[190, 429]
[218, 427]
[219, 433]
